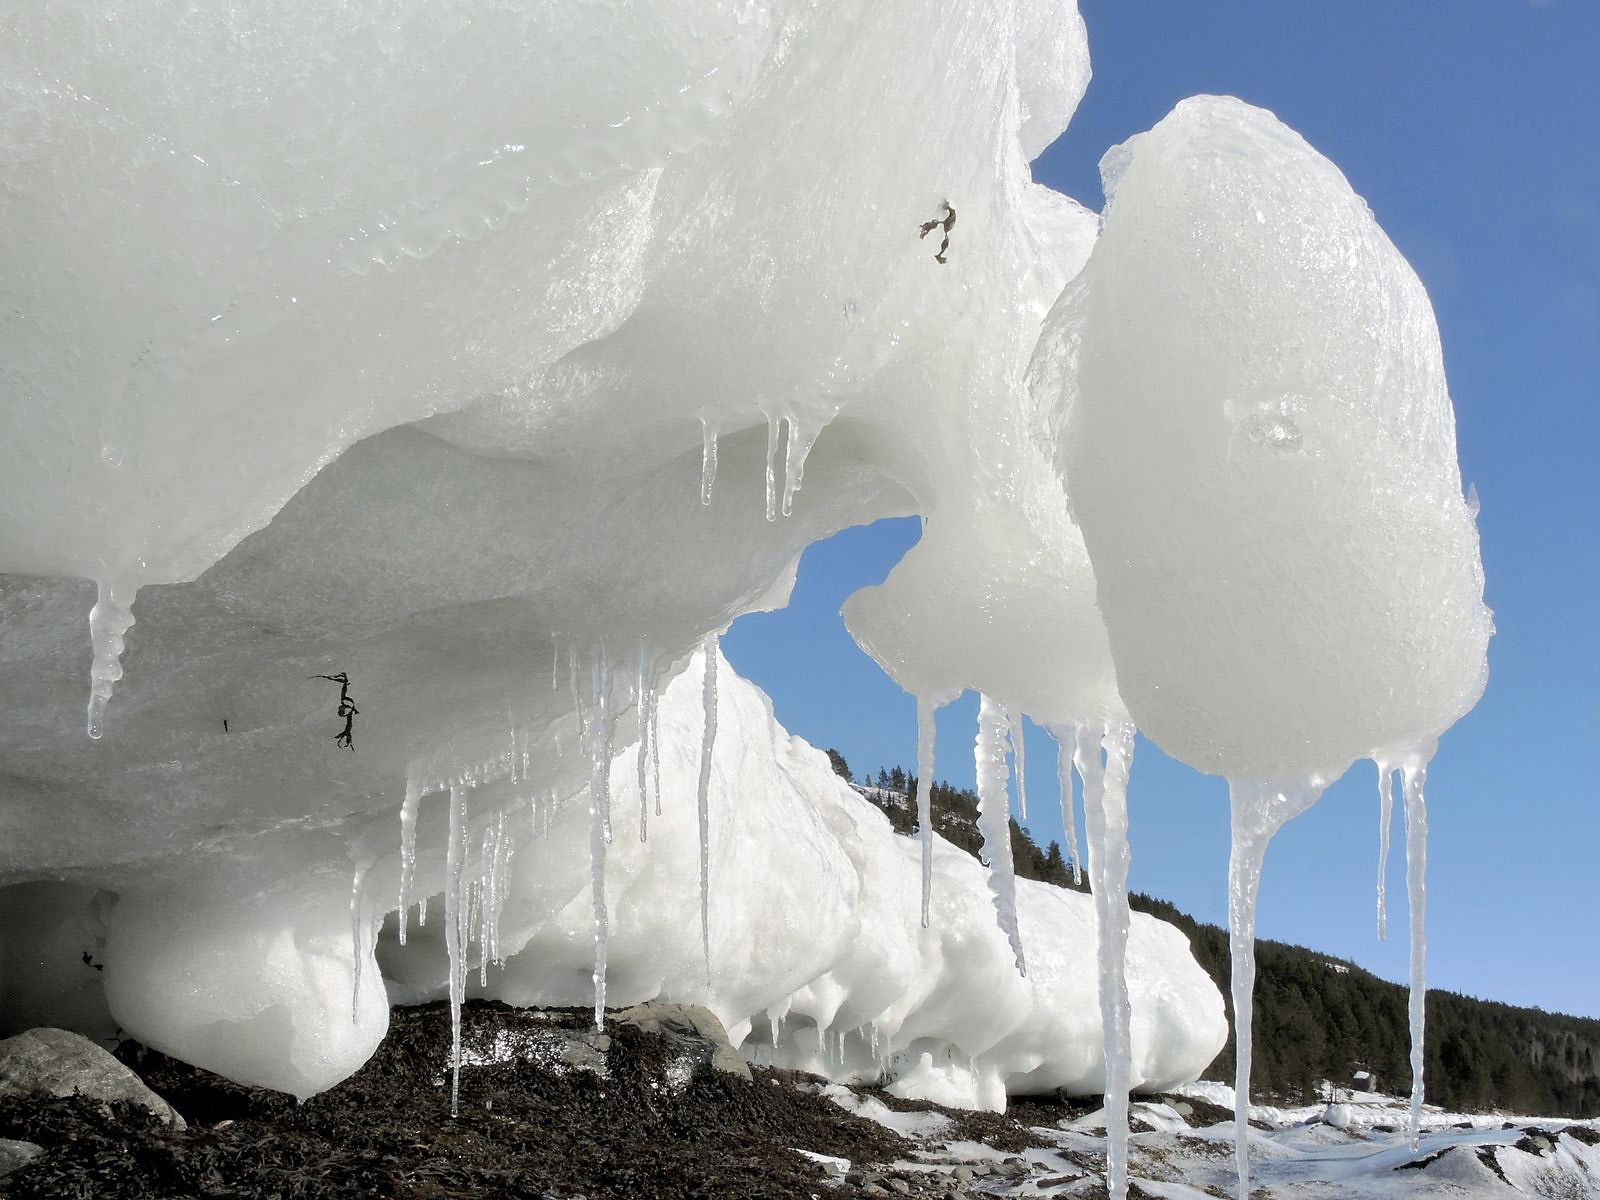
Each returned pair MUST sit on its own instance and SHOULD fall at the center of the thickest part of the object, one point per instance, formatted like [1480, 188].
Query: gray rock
[964, 1174]
[692, 1026]
[14, 1154]
[53, 1062]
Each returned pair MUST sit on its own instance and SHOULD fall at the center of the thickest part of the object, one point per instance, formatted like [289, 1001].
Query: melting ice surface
[315, 364]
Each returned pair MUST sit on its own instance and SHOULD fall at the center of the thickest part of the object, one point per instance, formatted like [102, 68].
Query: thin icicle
[555, 662]
[1066, 742]
[357, 942]
[408, 846]
[772, 456]
[708, 695]
[599, 836]
[422, 913]
[488, 854]
[1019, 754]
[455, 931]
[1385, 821]
[1414, 777]
[708, 458]
[795, 452]
[1104, 757]
[926, 729]
[655, 745]
[600, 734]
[994, 820]
[577, 701]
[645, 697]
[109, 621]
[1259, 810]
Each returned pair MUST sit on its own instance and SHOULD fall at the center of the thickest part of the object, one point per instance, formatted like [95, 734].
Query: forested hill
[1319, 1018]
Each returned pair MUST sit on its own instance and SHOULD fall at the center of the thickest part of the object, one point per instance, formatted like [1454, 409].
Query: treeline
[1319, 1018]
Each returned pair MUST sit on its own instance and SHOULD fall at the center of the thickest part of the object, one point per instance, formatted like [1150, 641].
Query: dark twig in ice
[347, 709]
[948, 221]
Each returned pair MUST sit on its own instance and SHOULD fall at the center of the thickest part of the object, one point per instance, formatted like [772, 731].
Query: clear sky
[1473, 130]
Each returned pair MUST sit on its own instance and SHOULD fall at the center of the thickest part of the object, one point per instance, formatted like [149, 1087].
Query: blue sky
[1473, 130]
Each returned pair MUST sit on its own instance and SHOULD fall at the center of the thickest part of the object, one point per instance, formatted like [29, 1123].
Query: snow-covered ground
[1175, 1155]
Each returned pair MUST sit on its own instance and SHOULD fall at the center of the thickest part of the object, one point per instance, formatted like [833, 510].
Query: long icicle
[1066, 741]
[1105, 810]
[455, 930]
[708, 695]
[994, 820]
[655, 745]
[109, 621]
[772, 456]
[600, 825]
[1019, 754]
[1414, 777]
[1259, 810]
[357, 942]
[1385, 821]
[408, 846]
[926, 731]
[642, 708]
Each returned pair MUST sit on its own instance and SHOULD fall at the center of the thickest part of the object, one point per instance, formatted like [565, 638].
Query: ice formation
[430, 349]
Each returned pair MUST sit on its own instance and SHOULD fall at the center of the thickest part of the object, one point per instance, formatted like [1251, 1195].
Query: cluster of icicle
[476, 883]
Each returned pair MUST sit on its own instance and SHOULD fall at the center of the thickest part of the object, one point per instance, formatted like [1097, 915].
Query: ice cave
[399, 401]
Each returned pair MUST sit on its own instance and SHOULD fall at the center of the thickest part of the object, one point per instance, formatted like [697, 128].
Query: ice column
[1105, 810]
[455, 930]
[711, 649]
[599, 825]
[109, 621]
[1414, 776]
[994, 819]
[926, 727]
[1259, 811]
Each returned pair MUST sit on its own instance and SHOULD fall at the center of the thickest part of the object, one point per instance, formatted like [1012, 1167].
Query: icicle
[109, 621]
[772, 456]
[600, 734]
[555, 661]
[1105, 811]
[1385, 821]
[577, 702]
[708, 695]
[599, 782]
[408, 846]
[357, 948]
[1066, 742]
[655, 745]
[1018, 754]
[794, 464]
[549, 812]
[994, 820]
[708, 458]
[926, 728]
[1259, 810]
[1414, 777]
[422, 913]
[455, 931]
[646, 696]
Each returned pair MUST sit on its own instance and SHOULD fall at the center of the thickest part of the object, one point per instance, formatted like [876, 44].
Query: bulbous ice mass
[1260, 450]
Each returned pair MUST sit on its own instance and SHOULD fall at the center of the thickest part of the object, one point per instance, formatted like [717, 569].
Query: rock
[14, 1154]
[1183, 1108]
[693, 1026]
[964, 1174]
[53, 1062]
[900, 1187]
[1012, 1168]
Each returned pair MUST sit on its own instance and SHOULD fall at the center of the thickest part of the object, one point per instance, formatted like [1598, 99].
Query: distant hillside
[1320, 1018]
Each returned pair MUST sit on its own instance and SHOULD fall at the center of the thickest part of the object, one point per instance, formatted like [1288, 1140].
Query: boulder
[53, 1062]
[14, 1154]
[693, 1027]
